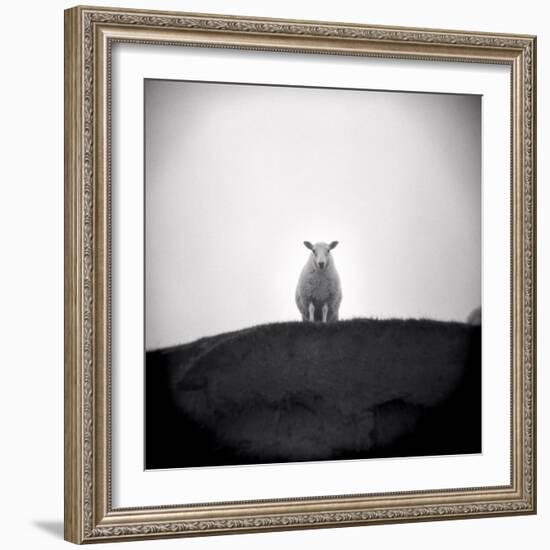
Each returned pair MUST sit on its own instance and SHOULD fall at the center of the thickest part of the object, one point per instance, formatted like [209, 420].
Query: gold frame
[89, 34]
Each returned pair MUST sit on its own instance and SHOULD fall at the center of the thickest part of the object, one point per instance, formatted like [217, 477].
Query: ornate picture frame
[90, 34]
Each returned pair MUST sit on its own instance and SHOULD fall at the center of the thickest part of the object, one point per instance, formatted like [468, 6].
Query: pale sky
[238, 176]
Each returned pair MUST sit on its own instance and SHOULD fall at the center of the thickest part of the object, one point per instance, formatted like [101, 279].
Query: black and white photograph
[313, 274]
[300, 274]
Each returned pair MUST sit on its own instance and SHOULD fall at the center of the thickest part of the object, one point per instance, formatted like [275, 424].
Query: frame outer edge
[533, 267]
[535, 272]
[73, 459]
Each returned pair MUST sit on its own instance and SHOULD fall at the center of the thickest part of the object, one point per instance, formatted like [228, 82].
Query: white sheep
[318, 294]
[475, 317]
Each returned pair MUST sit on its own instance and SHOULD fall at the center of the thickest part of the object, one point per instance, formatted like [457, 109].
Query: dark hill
[311, 391]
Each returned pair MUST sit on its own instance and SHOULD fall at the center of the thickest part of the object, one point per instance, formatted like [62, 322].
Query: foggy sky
[237, 176]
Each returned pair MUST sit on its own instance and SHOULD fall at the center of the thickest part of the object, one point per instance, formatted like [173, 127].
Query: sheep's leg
[311, 312]
[325, 312]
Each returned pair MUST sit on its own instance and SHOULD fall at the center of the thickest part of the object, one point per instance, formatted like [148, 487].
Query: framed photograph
[300, 274]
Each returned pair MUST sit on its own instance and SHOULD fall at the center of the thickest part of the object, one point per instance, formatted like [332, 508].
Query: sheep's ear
[332, 245]
[307, 244]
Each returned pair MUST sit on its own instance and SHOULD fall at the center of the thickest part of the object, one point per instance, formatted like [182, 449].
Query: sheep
[318, 294]
[475, 317]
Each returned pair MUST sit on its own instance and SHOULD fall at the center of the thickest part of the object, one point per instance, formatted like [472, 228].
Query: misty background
[238, 176]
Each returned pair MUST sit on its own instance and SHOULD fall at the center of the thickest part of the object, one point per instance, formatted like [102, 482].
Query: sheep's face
[321, 253]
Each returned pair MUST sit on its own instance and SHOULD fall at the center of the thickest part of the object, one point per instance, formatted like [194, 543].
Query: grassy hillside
[303, 391]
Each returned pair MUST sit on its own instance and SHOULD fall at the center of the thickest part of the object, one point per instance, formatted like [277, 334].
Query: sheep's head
[321, 253]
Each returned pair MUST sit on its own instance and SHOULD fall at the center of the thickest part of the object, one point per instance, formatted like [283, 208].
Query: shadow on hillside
[310, 391]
